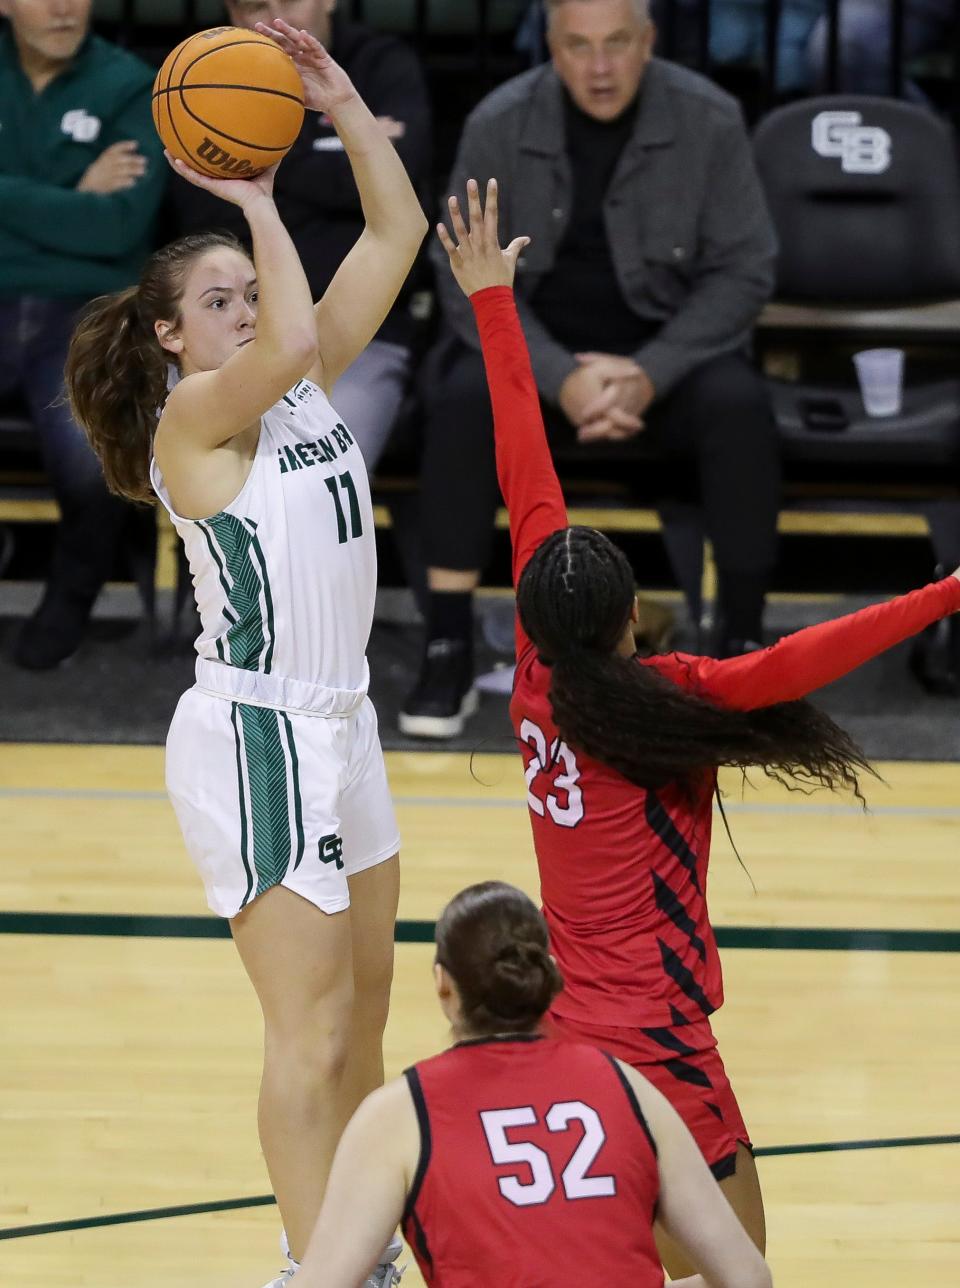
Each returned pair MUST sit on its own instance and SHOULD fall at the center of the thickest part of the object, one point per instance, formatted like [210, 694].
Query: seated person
[75, 110]
[318, 200]
[652, 254]
[514, 1158]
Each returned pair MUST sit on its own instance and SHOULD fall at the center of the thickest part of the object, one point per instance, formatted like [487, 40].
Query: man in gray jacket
[651, 255]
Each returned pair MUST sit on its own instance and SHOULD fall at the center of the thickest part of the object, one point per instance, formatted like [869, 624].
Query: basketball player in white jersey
[274, 764]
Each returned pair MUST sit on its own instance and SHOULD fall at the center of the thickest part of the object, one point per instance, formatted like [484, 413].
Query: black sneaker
[53, 633]
[443, 697]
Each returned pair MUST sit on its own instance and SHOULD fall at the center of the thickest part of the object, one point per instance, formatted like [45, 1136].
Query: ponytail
[116, 372]
[653, 732]
[574, 600]
[116, 376]
[493, 942]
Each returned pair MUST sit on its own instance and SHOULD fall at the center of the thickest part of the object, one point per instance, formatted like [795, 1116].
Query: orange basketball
[228, 102]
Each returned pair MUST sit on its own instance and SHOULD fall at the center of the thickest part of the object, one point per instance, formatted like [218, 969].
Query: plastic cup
[880, 373]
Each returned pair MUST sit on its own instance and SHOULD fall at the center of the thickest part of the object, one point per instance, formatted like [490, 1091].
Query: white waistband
[280, 691]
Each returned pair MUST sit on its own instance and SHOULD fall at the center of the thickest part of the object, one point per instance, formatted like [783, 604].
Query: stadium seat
[865, 196]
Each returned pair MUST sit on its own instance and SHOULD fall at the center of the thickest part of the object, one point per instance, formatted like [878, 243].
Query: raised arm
[692, 1207]
[816, 656]
[525, 469]
[208, 408]
[368, 281]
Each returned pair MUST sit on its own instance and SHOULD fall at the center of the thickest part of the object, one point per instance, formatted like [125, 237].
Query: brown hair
[116, 370]
[493, 942]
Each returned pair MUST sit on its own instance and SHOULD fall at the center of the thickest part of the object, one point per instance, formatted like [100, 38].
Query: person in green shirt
[81, 178]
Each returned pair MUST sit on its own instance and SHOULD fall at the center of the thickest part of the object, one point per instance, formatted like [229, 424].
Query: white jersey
[285, 575]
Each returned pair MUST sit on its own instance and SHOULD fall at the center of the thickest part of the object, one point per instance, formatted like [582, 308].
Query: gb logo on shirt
[80, 125]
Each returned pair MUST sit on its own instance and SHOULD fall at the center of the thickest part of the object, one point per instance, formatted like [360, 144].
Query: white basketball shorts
[268, 797]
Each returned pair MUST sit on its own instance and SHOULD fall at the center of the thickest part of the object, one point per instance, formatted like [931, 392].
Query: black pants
[35, 333]
[712, 437]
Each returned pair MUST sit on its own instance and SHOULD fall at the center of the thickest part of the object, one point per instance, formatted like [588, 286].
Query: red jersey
[537, 1169]
[623, 871]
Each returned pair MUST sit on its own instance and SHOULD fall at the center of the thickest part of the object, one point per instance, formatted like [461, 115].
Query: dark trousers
[34, 336]
[712, 437]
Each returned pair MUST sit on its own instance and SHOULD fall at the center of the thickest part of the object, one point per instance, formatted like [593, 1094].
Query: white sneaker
[291, 1269]
[384, 1276]
[385, 1272]
[282, 1281]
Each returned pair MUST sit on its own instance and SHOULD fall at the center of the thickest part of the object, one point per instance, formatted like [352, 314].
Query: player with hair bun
[514, 1159]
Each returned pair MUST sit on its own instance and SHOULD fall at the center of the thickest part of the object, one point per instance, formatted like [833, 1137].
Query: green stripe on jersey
[267, 597]
[266, 767]
[251, 637]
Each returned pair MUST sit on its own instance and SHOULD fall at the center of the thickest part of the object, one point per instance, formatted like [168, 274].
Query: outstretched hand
[476, 257]
[326, 86]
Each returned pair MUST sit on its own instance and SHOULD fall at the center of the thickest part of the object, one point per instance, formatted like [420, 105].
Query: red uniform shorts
[683, 1063]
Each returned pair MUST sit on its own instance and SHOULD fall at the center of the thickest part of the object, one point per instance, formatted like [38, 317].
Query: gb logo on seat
[862, 149]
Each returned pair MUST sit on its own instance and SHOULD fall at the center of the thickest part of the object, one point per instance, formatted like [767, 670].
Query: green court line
[795, 938]
[127, 1218]
[840, 1146]
[265, 1200]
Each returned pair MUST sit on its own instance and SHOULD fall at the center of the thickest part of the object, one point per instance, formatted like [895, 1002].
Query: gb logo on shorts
[862, 149]
[331, 850]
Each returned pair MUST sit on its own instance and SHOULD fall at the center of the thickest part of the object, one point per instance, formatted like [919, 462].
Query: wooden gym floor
[130, 1037]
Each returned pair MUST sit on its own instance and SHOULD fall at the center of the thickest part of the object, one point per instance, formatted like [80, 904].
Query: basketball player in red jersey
[621, 753]
[516, 1160]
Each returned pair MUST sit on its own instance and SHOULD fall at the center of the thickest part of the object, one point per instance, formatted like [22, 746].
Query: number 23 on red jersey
[553, 779]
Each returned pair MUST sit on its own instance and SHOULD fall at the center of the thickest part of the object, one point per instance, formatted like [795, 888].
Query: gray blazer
[692, 242]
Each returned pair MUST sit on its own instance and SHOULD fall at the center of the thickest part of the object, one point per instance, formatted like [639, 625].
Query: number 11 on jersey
[356, 522]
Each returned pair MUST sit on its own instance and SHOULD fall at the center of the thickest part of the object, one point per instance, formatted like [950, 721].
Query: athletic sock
[450, 615]
[741, 596]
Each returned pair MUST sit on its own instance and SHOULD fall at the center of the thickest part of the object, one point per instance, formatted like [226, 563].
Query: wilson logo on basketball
[214, 155]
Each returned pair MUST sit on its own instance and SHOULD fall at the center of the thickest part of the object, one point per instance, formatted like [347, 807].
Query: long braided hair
[574, 599]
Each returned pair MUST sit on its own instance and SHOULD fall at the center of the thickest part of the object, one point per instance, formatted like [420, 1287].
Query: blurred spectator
[738, 34]
[81, 176]
[318, 199]
[651, 256]
[864, 44]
